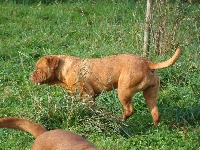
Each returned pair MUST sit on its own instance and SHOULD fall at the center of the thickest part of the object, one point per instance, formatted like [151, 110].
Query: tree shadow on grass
[172, 117]
[180, 117]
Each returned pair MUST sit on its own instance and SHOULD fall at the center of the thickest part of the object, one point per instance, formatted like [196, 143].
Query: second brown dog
[127, 73]
[48, 140]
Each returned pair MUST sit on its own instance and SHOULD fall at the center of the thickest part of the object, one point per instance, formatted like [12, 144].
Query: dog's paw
[122, 119]
[156, 121]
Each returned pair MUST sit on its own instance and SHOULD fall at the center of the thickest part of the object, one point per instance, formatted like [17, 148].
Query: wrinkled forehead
[42, 63]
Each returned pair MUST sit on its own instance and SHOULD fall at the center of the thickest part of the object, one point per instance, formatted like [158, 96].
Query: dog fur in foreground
[48, 140]
[127, 73]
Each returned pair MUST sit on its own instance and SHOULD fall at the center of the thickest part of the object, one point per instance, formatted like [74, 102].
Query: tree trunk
[147, 28]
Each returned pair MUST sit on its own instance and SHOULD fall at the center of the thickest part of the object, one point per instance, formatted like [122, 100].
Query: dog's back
[65, 140]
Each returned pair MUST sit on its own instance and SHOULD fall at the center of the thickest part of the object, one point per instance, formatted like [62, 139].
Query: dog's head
[45, 70]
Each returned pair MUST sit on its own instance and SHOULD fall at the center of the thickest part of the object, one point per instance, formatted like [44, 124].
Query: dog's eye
[39, 70]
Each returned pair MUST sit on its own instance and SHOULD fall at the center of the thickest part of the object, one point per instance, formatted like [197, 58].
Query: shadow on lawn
[88, 120]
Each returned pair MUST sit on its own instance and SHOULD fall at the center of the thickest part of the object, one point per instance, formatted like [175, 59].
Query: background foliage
[31, 29]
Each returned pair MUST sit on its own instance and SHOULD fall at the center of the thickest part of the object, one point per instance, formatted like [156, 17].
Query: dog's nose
[30, 78]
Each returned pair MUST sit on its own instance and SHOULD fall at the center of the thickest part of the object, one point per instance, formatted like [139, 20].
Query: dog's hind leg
[125, 97]
[151, 94]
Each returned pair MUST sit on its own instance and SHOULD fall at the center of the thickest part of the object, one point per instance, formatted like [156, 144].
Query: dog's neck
[58, 71]
[58, 75]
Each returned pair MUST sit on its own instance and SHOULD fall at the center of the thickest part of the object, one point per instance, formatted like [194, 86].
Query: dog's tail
[22, 124]
[165, 64]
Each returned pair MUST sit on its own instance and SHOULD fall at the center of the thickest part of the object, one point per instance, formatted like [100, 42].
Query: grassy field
[97, 29]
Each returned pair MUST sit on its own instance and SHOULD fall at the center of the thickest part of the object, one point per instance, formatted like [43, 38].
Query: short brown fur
[48, 140]
[127, 73]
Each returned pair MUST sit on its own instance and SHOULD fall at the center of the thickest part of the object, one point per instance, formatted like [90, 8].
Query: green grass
[28, 32]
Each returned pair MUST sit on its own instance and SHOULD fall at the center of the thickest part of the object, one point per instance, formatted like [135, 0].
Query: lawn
[97, 29]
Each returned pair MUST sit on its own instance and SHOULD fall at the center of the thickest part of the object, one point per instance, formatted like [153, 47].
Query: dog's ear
[53, 62]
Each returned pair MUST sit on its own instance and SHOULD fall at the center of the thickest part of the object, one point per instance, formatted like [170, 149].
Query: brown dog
[48, 140]
[126, 72]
